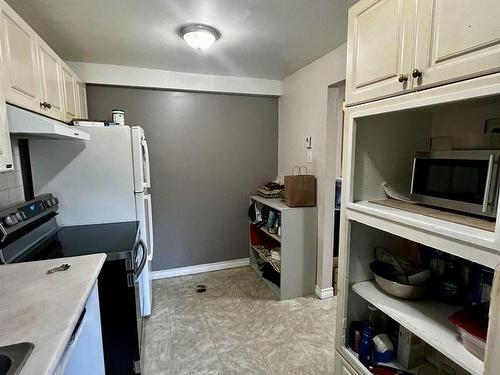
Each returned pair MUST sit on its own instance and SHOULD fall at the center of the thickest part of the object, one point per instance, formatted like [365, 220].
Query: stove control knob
[51, 202]
[19, 217]
[10, 220]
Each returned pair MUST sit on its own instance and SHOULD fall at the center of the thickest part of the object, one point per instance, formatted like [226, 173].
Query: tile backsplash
[11, 183]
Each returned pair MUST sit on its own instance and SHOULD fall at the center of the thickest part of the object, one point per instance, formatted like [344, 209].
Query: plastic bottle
[366, 345]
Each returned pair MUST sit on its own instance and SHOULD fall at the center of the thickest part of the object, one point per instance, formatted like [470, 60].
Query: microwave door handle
[487, 189]
[413, 175]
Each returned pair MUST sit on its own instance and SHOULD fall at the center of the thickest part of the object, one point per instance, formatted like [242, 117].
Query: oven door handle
[144, 258]
[487, 189]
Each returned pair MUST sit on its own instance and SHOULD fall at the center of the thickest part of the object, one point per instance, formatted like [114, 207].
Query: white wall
[11, 183]
[463, 118]
[303, 109]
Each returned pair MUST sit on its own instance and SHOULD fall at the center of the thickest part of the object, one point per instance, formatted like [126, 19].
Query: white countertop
[44, 309]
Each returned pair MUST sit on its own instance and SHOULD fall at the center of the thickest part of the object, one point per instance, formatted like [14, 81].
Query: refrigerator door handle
[144, 258]
[147, 174]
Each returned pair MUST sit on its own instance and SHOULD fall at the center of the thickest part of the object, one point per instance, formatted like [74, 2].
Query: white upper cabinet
[70, 93]
[379, 54]
[457, 40]
[52, 98]
[19, 61]
[34, 77]
[397, 46]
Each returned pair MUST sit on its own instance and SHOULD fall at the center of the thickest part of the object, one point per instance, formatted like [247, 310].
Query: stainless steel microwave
[465, 181]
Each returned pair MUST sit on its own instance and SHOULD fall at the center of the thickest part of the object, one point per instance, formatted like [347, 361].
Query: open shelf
[275, 288]
[427, 319]
[467, 242]
[272, 235]
[276, 264]
[274, 203]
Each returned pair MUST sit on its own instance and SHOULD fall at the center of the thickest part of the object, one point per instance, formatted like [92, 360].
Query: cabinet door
[70, 96]
[19, 61]
[82, 100]
[457, 40]
[85, 354]
[51, 82]
[380, 43]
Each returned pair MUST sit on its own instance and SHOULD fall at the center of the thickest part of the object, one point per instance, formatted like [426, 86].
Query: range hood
[26, 124]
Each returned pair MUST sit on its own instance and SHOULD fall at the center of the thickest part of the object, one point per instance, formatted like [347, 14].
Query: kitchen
[249, 187]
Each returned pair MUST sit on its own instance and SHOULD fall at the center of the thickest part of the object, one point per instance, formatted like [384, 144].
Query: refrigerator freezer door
[140, 153]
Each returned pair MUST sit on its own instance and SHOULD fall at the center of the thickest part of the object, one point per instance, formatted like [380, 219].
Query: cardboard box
[411, 349]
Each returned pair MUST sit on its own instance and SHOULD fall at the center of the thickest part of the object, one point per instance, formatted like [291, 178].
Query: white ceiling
[260, 38]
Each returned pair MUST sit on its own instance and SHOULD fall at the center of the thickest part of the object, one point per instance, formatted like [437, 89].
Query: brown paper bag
[300, 189]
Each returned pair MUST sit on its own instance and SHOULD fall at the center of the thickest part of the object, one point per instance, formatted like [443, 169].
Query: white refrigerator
[103, 180]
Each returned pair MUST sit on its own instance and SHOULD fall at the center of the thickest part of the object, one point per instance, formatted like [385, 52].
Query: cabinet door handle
[46, 105]
[403, 78]
[416, 73]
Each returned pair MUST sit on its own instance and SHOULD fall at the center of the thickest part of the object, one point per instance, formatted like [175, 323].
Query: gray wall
[208, 153]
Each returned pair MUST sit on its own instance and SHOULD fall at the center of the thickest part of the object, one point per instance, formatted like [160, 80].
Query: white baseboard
[191, 270]
[323, 293]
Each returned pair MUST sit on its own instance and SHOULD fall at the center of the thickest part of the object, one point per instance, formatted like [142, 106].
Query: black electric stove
[117, 240]
[29, 232]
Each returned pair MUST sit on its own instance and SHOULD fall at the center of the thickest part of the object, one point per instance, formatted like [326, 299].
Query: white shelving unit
[380, 140]
[298, 249]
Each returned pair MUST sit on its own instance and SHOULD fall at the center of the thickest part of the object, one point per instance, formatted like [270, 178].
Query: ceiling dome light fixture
[198, 35]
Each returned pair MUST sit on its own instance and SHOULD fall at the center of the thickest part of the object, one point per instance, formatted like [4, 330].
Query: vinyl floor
[236, 327]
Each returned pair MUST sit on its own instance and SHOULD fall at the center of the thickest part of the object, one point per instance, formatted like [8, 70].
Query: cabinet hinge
[344, 106]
